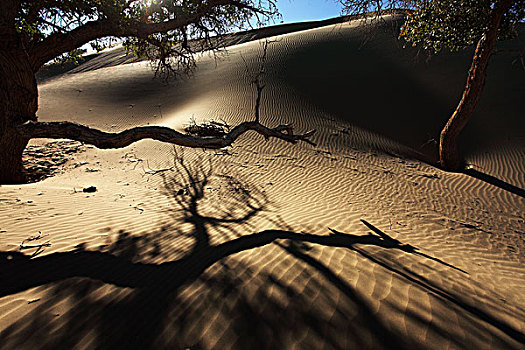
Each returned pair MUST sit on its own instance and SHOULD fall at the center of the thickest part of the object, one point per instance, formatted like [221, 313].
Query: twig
[31, 246]
[33, 238]
[257, 81]
[40, 247]
[156, 171]
[139, 208]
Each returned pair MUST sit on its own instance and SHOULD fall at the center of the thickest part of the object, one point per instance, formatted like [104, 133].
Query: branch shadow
[134, 294]
[495, 182]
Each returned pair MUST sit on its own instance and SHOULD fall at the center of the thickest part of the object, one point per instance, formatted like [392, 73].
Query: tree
[453, 24]
[33, 32]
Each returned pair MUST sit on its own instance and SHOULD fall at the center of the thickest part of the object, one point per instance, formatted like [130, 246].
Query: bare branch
[105, 140]
[31, 246]
[257, 81]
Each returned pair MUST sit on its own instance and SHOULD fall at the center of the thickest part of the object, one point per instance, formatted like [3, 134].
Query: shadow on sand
[219, 294]
[495, 182]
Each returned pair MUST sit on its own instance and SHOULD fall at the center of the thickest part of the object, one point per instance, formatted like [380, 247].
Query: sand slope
[170, 259]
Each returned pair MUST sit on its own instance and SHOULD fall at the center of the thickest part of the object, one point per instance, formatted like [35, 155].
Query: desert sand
[358, 242]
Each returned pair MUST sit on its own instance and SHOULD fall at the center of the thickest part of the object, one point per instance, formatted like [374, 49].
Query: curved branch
[59, 43]
[104, 140]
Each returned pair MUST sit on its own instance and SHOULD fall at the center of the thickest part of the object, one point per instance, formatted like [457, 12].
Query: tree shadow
[495, 182]
[224, 288]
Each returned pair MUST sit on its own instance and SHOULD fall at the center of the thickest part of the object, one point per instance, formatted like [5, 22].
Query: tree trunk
[18, 104]
[11, 148]
[448, 148]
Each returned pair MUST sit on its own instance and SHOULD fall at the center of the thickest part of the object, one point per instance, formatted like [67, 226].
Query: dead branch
[40, 246]
[211, 128]
[257, 81]
[33, 238]
[107, 140]
[31, 246]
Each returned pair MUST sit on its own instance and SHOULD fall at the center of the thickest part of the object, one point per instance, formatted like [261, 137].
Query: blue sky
[308, 10]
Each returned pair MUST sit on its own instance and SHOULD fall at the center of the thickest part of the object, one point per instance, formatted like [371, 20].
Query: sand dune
[236, 250]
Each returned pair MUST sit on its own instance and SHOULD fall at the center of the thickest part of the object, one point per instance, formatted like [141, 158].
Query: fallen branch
[40, 246]
[31, 246]
[107, 140]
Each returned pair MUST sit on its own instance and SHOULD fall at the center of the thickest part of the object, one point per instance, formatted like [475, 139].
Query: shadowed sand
[356, 243]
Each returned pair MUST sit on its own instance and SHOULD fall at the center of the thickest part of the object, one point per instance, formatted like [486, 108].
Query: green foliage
[440, 24]
[30, 30]
[75, 56]
[101, 44]
[444, 23]
[455, 24]
[358, 7]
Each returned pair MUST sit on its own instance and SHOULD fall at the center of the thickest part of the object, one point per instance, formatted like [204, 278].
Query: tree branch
[60, 43]
[107, 140]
